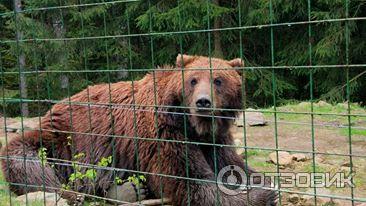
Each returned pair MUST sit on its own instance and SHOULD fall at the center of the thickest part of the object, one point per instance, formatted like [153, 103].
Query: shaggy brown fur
[93, 125]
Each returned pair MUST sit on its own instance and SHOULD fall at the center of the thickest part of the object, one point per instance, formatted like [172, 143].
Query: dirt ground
[326, 139]
[331, 144]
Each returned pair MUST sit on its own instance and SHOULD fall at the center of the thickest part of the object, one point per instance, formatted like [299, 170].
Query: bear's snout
[203, 102]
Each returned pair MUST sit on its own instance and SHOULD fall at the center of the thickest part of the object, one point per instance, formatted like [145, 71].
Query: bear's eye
[193, 82]
[217, 82]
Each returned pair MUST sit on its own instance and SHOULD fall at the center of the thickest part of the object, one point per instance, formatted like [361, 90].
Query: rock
[50, 198]
[252, 118]
[346, 167]
[28, 123]
[338, 202]
[319, 159]
[362, 204]
[300, 157]
[11, 129]
[294, 198]
[284, 158]
[347, 170]
[323, 104]
[126, 192]
[346, 164]
[343, 105]
[151, 202]
[304, 104]
[310, 200]
[281, 167]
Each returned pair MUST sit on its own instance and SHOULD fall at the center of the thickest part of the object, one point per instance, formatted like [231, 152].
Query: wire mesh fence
[110, 126]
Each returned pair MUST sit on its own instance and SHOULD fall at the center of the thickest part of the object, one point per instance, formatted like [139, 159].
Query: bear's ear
[237, 63]
[183, 59]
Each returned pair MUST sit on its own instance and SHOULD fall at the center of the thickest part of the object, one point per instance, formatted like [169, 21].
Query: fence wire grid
[50, 46]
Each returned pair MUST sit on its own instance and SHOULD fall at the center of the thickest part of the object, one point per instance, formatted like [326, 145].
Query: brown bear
[168, 125]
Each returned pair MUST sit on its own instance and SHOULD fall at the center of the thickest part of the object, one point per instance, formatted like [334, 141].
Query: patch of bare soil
[289, 137]
[333, 150]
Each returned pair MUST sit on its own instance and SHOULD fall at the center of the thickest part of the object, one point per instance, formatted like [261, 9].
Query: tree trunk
[217, 36]
[60, 31]
[123, 61]
[21, 64]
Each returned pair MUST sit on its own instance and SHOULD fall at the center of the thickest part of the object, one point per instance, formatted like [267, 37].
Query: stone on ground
[310, 200]
[151, 202]
[28, 123]
[252, 118]
[284, 158]
[51, 199]
[299, 157]
[294, 198]
[323, 103]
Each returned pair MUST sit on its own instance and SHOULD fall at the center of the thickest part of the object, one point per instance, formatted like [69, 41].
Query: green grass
[324, 108]
[256, 152]
[8, 93]
[257, 160]
[309, 168]
[360, 132]
[359, 181]
[261, 166]
[320, 107]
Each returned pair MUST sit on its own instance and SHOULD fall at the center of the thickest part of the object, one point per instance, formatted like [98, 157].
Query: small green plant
[318, 168]
[137, 179]
[89, 174]
[118, 181]
[42, 154]
[66, 187]
[76, 166]
[79, 156]
[104, 162]
[359, 132]
[76, 176]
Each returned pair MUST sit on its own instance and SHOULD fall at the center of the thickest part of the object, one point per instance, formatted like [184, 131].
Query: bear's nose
[203, 102]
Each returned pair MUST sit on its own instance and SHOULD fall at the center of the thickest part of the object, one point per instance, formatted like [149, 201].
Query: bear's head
[206, 87]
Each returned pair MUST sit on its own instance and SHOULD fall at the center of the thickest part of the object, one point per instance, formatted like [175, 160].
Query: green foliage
[78, 156]
[90, 174]
[119, 54]
[118, 180]
[354, 132]
[104, 162]
[137, 179]
[81, 175]
[255, 152]
[42, 155]
[76, 176]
